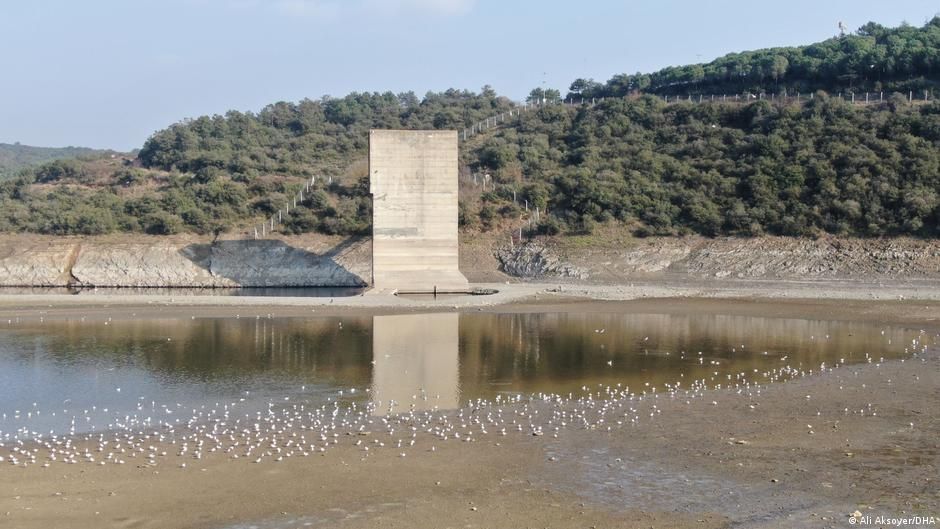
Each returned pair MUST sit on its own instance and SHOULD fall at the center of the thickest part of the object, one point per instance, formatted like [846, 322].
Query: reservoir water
[75, 376]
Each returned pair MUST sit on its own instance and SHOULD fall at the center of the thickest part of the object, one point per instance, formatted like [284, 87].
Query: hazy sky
[107, 73]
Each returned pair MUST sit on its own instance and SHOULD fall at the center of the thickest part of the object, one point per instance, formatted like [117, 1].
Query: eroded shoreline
[508, 296]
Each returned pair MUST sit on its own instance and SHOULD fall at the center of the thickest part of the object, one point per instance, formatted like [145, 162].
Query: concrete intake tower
[413, 181]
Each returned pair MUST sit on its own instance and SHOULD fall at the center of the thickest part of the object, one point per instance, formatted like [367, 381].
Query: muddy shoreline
[915, 303]
[507, 296]
[804, 453]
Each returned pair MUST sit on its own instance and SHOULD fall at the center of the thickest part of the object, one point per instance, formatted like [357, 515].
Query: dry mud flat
[804, 453]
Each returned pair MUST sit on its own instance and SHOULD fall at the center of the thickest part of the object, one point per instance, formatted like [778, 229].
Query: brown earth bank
[610, 256]
[803, 453]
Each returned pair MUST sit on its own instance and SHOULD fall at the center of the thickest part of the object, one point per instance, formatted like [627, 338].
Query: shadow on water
[274, 263]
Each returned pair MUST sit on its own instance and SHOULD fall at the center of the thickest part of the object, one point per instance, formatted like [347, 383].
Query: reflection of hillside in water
[436, 360]
[451, 357]
[217, 348]
[561, 352]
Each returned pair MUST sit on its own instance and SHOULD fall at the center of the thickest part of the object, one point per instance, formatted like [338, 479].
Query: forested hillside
[823, 166]
[14, 157]
[214, 174]
[873, 59]
[826, 166]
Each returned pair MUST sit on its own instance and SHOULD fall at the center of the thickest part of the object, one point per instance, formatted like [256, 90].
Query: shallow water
[79, 376]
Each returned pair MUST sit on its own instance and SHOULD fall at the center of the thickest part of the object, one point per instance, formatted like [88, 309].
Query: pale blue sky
[108, 73]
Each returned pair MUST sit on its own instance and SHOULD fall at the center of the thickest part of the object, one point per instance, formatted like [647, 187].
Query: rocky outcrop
[826, 258]
[183, 262]
[158, 263]
[782, 258]
[777, 258]
[534, 261]
[42, 262]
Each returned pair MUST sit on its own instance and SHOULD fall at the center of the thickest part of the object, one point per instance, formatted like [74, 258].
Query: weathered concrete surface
[142, 261]
[413, 181]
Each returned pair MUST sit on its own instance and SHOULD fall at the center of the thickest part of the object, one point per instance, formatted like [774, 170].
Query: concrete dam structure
[413, 181]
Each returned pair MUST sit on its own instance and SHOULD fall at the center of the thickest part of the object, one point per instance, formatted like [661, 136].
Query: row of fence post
[525, 221]
[520, 109]
[526, 218]
[491, 122]
[271, 223]
[852, 97]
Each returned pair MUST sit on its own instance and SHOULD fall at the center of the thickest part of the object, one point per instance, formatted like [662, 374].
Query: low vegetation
[15, 157]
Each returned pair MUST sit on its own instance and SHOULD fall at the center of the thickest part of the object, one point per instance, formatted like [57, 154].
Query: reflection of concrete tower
[415, 352]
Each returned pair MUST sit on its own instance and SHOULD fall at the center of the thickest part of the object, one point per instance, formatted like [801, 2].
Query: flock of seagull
[162, 435]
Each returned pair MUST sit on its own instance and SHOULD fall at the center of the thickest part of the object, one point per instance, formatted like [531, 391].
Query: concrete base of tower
[438, 281]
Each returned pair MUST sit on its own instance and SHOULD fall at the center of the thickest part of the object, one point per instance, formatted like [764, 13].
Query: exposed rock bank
[730, 258]
[182, 262]
[316, 260]
[534, 261]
